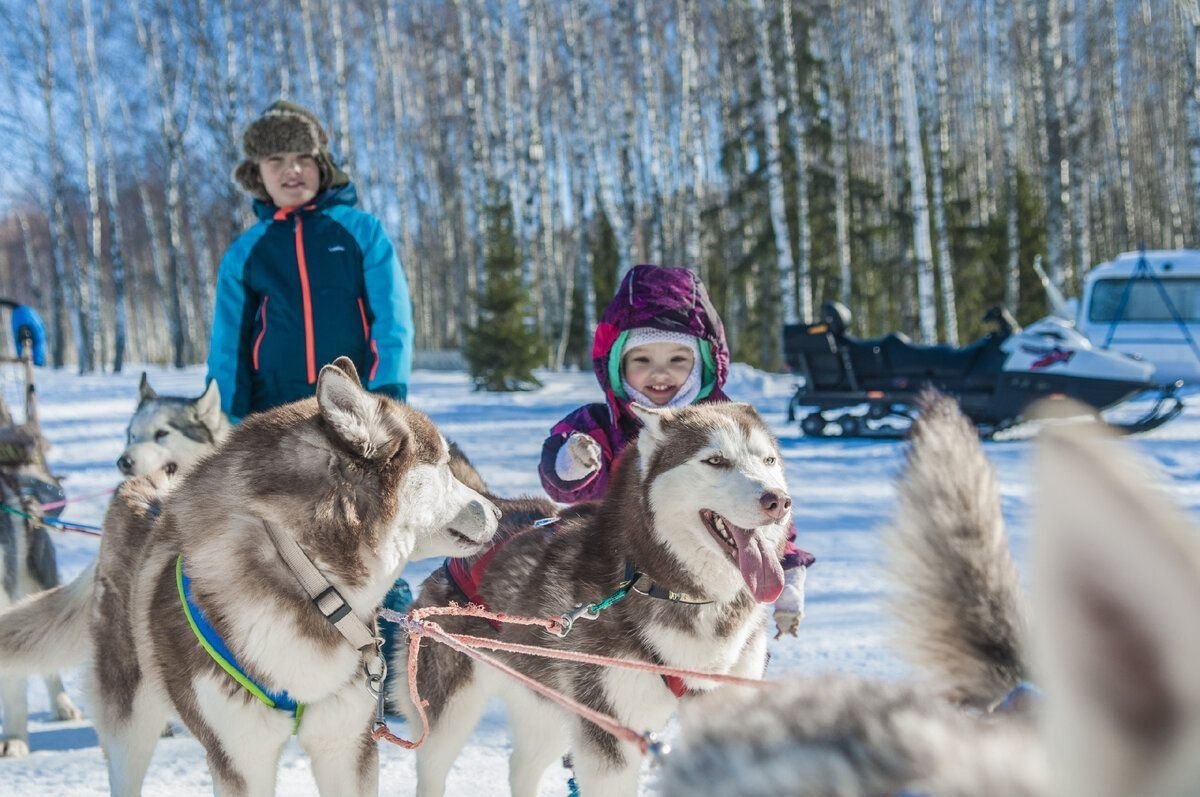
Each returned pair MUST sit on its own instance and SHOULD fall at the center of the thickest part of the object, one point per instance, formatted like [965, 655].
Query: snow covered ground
[842, 489]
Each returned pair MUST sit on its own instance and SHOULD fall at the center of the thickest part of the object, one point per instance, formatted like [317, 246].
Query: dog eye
[770, 460]
[717, 461]
[160, 434]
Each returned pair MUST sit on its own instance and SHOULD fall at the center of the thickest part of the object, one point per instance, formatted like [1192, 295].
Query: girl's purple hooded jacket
[671, 299]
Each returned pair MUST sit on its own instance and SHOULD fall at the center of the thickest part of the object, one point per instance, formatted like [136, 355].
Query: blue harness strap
[216, 648]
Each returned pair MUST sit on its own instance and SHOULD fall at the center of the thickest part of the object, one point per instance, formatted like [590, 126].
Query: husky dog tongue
[760, 568]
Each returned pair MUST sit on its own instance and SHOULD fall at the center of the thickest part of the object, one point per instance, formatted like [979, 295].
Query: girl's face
[658, 370]
[291, 178]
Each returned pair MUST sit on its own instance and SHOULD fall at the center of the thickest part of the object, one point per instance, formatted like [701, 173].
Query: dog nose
[776, 505]
[125, 464]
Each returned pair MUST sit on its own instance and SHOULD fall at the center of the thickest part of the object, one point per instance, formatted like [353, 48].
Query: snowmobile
[869, 387]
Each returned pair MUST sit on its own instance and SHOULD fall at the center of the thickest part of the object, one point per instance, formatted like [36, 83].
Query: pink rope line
[417, 627]
[88, 497]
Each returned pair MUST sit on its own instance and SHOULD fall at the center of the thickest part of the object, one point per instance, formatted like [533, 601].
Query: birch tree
[769, 117]
[176, 95]
[1012, 272]
[922, 248]
[797, 134]
[86, 286]
[1190, 10]
[46, 79]
[939, 154]
[1052, 102]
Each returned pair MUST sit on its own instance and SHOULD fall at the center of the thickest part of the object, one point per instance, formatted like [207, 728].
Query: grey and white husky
[172, 433]
[700, 509]
[361, 484]
[1114, 643]
[27, 565]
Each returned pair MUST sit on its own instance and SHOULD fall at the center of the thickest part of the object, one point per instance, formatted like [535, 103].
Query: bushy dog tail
[48, 631]
[955, 588]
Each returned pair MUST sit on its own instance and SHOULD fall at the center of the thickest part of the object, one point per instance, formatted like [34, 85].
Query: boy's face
[658, 370]
[291, 178]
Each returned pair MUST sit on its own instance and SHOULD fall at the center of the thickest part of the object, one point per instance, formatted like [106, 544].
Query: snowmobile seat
[812, 350]
[937, 362]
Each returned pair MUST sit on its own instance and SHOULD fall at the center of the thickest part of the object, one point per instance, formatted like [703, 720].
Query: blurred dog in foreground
[1114, 641]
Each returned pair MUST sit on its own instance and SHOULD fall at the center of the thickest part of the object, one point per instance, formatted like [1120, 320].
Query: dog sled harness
[219, 652]
[466, 579]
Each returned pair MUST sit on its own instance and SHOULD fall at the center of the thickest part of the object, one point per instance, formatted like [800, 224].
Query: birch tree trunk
[32, 261]
[1191, 10]
[1008, 133]
[1075, 48]
[307, 13]
[170, 94]
[939, 154]
[1052, 101]
[768, 109]
[1121, 130]
[797, 135]
[516, 146]
[479, 173]
[58, 225]
[651, 94]
[283, 64]
[584, 166]
[86, 285]
[611, 194]
[922, 248]
[691, 139]
[345, 144]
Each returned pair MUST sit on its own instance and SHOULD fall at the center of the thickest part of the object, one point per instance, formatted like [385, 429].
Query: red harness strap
[676, 685]
[468, 578]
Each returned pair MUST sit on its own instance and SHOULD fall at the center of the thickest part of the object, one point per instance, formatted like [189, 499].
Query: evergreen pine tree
[502, 351]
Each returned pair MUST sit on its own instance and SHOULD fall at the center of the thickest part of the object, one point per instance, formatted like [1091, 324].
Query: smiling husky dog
[699, 510]
[171, 432]
[352, 483]
[1114, 635]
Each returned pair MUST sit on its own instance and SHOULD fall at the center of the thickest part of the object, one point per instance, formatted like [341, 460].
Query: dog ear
[1117, 586]
[208, 405]
[354, 416]
[145, 392]
[347, 365]
[653, 419]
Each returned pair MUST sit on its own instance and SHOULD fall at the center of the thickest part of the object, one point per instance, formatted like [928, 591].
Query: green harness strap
[230, 668]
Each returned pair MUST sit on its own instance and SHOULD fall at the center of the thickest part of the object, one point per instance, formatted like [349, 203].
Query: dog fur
[1114, 645]
[707, 458]
[362, 483]
[172, 432]
[28, 565]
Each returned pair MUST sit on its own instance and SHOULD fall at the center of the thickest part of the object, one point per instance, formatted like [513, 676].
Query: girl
[660, 343]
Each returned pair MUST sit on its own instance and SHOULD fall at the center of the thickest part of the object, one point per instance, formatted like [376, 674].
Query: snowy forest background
[908, 157]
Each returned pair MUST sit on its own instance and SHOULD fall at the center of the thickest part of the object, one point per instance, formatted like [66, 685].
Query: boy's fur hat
[285, 127]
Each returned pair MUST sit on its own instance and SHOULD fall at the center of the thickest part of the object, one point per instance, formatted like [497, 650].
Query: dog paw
[14, 748]
[65, 710]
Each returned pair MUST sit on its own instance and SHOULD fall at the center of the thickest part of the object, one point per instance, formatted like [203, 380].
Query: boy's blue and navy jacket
[301, 288]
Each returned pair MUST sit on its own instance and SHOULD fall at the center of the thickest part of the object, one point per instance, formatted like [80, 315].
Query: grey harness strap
[332, 605]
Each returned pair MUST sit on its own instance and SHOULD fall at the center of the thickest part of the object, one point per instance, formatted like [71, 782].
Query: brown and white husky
[362, 484]
[700, 510]
[1114, 637]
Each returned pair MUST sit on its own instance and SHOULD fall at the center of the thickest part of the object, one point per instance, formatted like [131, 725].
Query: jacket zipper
[310, 356]
[362, 311]
[262, 332]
